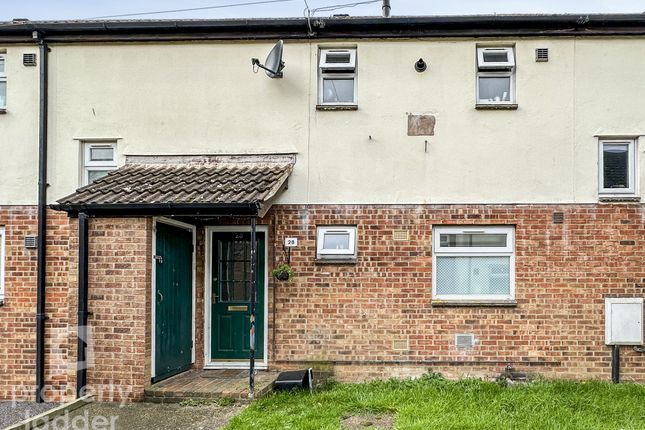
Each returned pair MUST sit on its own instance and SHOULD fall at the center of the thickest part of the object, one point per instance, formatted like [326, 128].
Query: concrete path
[12, 413]
[145, 416]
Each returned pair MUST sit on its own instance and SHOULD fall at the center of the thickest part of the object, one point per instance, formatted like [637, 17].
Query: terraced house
[455, 194]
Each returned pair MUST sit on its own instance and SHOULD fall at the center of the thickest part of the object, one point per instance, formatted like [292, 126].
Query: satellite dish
[273, 65]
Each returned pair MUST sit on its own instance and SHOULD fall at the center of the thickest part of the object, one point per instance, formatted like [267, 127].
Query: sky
[84, 9]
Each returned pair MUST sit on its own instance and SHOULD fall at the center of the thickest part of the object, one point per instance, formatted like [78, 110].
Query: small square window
[98, 160]
[473, 263]
[337, 77]
[495, 76]
[617, 167]
[336, 242]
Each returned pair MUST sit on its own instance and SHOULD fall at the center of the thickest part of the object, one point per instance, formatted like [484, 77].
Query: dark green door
[173, 300]
[231, 296]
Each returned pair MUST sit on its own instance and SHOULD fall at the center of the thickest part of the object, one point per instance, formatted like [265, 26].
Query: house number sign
[291, 242]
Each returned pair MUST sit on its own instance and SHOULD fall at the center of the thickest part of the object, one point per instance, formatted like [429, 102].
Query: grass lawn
[434, 403]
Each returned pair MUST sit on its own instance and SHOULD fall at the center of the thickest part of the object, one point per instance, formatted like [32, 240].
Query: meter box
[624, 321]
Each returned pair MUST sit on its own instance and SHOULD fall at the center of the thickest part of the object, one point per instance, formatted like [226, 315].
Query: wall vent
[400, 235]
[464, 340]
[542, 55]
[29, 59]
[400, 345]
[31, 242]
[558, 217]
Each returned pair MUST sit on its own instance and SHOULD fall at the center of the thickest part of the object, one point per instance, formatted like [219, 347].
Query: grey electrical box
[624, 321]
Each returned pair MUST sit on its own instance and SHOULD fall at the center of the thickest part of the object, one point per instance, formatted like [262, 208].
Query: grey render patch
[421, 125]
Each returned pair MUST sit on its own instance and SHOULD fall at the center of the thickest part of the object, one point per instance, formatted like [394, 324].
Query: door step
[207, 385]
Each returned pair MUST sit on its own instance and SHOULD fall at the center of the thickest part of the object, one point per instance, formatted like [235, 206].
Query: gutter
[150, 209]
[42, 221]
[352, 27]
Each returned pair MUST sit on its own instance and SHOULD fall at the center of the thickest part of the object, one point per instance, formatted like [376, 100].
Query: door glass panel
[234, 265]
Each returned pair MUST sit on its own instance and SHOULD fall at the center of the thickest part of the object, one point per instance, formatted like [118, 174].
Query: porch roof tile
[188, 180]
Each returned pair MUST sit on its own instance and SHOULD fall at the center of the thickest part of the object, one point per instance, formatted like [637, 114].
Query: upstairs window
[617, 167]
[3, 81]
[336, 243]
[473, 263]
[98, 160]
[495, 76]
[337, 77]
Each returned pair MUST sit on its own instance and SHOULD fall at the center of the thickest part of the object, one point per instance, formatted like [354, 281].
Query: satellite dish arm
[256, 63]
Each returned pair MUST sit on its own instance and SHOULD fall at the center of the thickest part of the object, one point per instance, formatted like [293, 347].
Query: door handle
[214, 299]
[159, 297]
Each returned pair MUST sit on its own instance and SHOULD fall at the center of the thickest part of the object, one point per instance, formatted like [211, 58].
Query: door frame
[262, 362]
[193, 230]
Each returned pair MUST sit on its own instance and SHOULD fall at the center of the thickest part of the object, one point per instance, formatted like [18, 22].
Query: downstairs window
[473, 263]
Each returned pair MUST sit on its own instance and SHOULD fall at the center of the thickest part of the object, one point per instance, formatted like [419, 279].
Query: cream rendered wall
[203, 98]
[19, 130]
[610, 100]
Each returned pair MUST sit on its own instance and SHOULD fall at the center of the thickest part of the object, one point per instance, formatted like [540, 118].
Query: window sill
[474, 303]
[619, 199]
[335, 261]
[336, 107]
[496, 106]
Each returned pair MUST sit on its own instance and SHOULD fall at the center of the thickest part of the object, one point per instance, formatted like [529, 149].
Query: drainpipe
[83, 253]
[252, 273]
[42, 221]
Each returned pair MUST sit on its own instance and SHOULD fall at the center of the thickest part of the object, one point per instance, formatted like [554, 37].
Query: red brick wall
[18, 314]
[348, 314]
[120, 251]
[341, 316]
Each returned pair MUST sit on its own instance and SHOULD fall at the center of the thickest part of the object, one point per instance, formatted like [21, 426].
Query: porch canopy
[184, 185]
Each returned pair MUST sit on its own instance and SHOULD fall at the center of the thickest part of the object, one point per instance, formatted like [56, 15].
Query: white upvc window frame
[496, 70]
[507, 251]
[631, 166]
[335, 254]
[99, 165]
[347, 71]
[2, 260]
[3, 78]
[482, 64]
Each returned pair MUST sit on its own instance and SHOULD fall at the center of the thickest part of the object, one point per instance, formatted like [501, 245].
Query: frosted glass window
[473, 276]
[101, 153]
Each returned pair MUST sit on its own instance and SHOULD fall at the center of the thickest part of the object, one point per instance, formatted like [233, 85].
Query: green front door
[231, 296]
[173, 300]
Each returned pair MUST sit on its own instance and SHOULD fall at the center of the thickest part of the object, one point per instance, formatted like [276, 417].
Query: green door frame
[193, 230]
[261, 361]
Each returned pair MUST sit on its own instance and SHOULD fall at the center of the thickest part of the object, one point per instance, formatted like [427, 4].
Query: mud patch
[368, 421]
